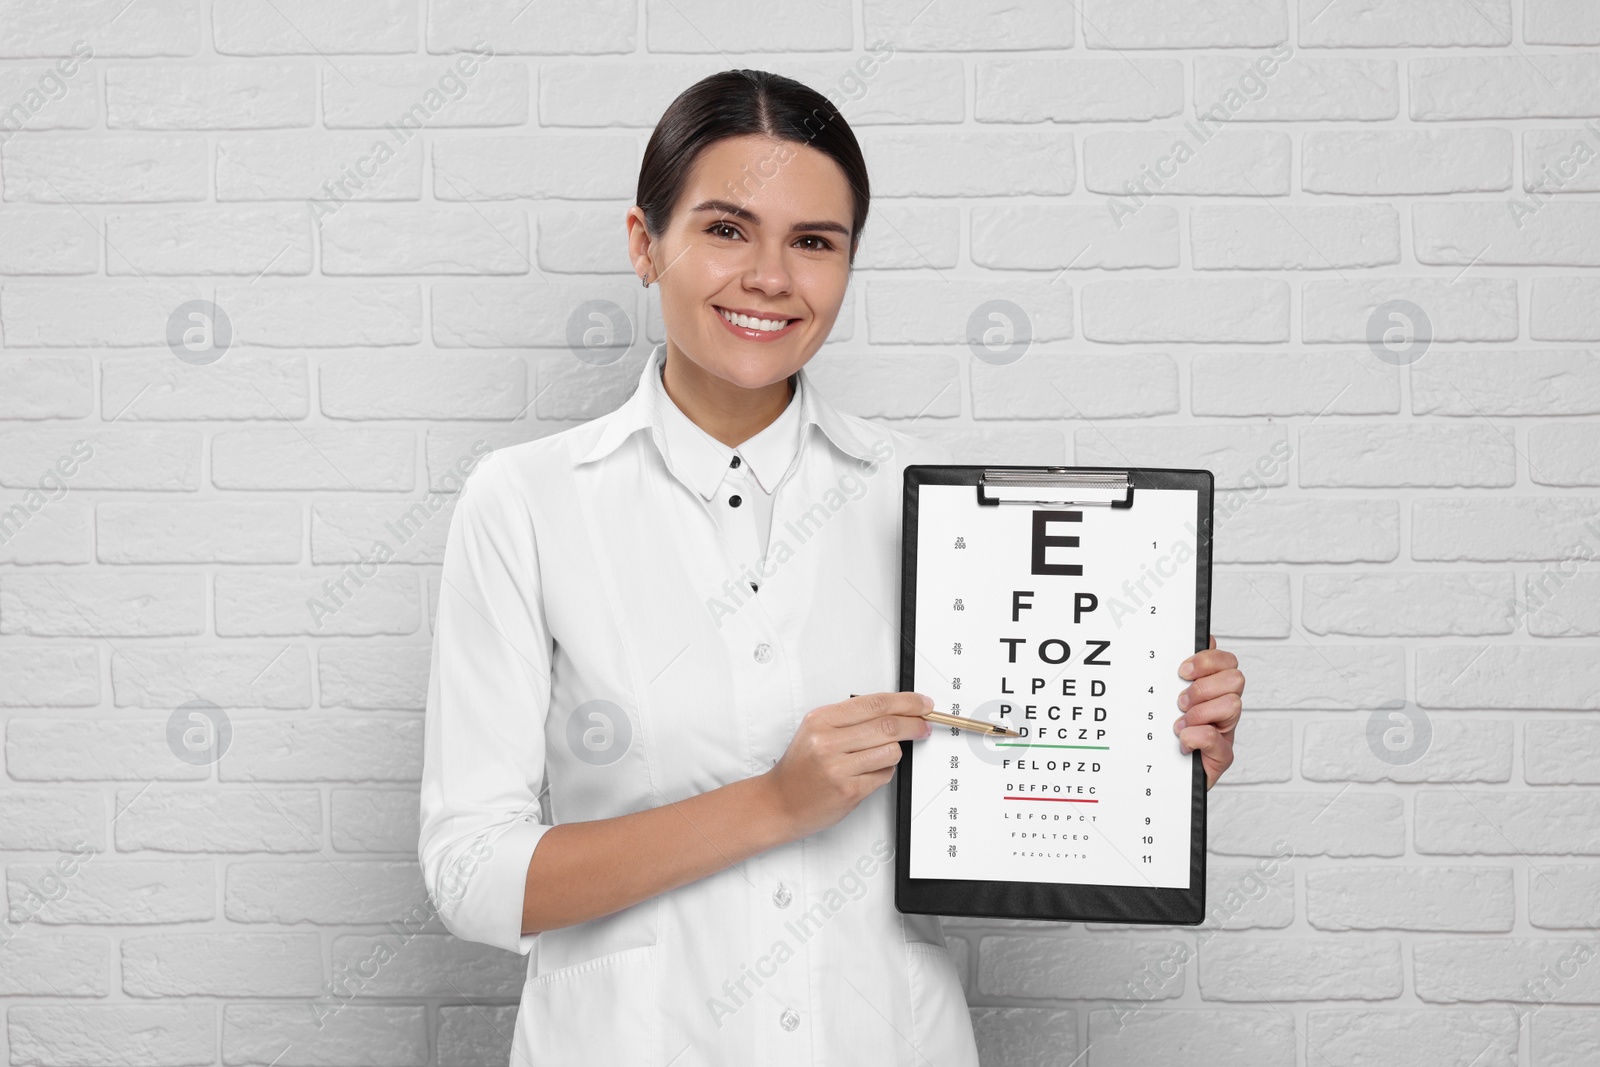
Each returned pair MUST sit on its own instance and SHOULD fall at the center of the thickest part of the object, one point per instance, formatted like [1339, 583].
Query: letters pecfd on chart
[1066, 623]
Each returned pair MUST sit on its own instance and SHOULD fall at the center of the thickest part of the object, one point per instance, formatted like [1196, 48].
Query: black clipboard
[1074, 487]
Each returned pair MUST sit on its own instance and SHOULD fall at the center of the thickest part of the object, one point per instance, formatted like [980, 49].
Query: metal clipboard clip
[1055, 485]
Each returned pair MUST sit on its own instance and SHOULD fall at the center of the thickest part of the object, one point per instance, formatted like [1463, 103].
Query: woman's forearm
[583, 870]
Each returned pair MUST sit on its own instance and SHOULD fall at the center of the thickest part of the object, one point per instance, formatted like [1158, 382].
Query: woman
[658, 617]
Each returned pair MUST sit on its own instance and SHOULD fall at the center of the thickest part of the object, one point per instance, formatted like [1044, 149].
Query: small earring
[646, 281]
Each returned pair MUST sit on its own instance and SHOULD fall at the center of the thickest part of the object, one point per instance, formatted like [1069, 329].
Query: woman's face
[762, 227]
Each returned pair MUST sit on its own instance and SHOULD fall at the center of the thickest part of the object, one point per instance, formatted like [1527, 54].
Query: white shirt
[595, 636]
[741, 480]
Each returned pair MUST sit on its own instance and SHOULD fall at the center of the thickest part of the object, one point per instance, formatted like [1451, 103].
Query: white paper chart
[1066, 623]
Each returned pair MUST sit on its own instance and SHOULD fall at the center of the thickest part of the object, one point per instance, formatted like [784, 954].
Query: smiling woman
[712, 879]
[751, 201]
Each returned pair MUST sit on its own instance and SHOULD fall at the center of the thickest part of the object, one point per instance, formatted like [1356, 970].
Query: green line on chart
[1024, 744]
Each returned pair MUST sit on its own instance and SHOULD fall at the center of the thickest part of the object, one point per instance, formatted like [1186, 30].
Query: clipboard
[1012, 574]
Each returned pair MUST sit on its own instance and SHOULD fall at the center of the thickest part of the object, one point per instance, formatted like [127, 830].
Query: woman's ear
[639, 242]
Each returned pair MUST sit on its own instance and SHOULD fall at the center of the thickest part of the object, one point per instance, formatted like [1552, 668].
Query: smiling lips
[754, 327]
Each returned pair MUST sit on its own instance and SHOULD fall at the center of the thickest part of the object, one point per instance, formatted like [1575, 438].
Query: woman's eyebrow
[729, 208]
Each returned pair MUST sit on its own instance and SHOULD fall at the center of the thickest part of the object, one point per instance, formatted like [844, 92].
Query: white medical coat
[597, 637]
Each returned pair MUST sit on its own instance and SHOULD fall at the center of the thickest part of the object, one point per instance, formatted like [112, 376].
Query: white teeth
[768, 325]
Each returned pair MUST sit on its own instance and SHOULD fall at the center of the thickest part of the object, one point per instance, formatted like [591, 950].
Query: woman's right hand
[841, 753]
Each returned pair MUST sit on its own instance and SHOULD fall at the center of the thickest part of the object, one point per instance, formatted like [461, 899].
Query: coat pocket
[941, 1026]
[603, 1011]
[567, 947]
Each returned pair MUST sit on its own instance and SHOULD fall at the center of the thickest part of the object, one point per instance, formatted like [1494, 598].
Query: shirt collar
[705, 460]
[702, 458]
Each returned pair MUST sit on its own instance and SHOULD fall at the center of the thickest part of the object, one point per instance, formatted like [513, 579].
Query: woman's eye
[724, 229]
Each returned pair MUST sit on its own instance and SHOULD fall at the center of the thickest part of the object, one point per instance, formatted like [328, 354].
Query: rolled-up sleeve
[488, 695]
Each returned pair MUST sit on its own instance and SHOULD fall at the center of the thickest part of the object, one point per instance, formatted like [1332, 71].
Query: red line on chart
[1056, 800]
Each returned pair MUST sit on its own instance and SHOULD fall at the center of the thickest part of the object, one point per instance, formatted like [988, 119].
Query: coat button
[789, 1019]
[782, 896]
[733, 501]
[763, 652]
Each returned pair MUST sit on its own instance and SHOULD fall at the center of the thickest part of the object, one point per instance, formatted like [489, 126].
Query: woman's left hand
[1211, 706]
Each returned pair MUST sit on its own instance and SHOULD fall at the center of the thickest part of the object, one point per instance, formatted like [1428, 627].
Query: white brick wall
[1401, 531]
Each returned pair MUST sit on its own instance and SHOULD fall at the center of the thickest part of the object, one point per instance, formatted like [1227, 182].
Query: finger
[880, 730]
[1216, 750]
[872, 759]
[1192, 736]
[1222, 712]
[864, 706]
[880, 777]
[1212, 685]
[1214, 747]
[1207, 662]
[1214, 659]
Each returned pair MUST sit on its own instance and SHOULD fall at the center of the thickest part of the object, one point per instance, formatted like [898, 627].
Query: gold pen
[993, 729]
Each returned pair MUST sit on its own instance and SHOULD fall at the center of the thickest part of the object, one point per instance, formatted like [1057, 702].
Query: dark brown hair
[734, 103]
